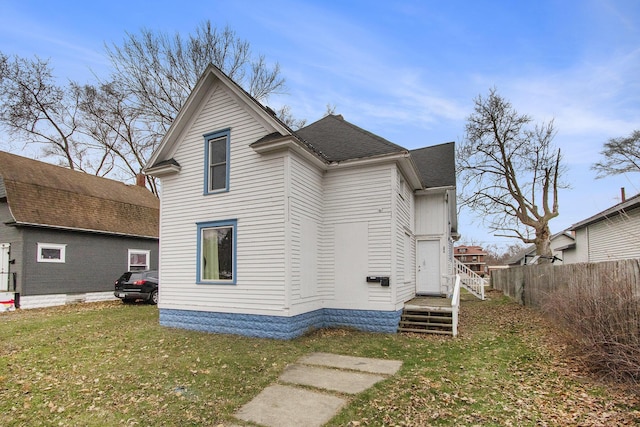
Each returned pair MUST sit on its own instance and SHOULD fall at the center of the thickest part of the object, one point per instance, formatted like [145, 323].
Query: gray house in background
[66, 236]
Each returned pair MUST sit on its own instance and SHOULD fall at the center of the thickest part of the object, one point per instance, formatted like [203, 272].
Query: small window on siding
[216, 174]
[139, 259]
[217, 252]
[51, 252]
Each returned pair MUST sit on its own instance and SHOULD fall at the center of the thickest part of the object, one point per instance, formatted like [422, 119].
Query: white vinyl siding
[431, 215]
[615, 238]
[405, 241]
[255, 199]
[356, 195]
[432, 223]
[305, 204]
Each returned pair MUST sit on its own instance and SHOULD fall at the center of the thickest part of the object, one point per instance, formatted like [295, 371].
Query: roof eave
[162, 170]
[432, 190]
[84, 230]
[288, 142]
[608, 213]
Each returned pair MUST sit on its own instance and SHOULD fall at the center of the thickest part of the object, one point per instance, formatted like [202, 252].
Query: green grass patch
[113, 364]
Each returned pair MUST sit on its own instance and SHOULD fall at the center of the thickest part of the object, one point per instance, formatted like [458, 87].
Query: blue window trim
[207, 138]
[212, 224]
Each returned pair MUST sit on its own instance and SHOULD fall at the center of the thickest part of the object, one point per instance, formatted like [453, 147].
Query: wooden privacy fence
[531, 284]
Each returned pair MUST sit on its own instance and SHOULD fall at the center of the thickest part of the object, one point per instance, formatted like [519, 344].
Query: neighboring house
[473, 257]
[66, 236]
[613, 234]
[559, 242]
[270, 232]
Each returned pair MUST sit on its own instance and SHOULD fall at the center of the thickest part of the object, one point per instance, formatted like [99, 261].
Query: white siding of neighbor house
[358, 225]
[560, 241]
[256, 199]
[615, 238]
[581, 251]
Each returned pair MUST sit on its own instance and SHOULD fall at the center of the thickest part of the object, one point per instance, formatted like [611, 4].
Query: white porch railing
[455, 306]
[469, 279]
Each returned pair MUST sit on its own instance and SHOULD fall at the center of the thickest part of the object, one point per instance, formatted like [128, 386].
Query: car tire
[153, 298]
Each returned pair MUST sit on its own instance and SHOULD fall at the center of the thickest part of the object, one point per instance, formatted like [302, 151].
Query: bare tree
[620, 155]
[115, 127]
[500, 255]
[35, 109]
[509, 172]
[160, 70]
[112, 127]
[284, 113]
[330, 109]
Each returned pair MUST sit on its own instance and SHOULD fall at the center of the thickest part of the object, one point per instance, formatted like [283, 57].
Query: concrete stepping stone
[365, 364]
[291, 406]
[284, 406]
[329, 379]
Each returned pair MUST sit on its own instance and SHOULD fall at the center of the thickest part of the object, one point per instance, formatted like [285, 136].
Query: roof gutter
[84, 230]
[434, 190]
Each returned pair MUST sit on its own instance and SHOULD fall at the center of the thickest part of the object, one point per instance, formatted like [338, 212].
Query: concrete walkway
[312, 391]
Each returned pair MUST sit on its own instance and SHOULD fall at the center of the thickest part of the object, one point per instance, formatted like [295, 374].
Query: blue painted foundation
[281, 327]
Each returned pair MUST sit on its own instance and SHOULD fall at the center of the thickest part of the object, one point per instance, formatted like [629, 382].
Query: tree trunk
[543, 245]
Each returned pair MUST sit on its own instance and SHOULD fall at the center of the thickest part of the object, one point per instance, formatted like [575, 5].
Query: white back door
[428, 263]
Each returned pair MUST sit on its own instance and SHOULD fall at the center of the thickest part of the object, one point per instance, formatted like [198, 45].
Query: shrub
[602, 321]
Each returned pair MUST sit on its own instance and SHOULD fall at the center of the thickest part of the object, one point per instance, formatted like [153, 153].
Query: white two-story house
[269, 232]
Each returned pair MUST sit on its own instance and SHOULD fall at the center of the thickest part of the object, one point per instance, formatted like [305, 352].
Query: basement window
[51, 252]
[138, 259]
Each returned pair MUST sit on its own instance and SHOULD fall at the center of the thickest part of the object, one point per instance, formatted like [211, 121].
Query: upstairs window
[216, 173]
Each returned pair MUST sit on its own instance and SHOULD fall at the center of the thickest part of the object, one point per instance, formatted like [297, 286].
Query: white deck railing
[455, 305]
[469, 279]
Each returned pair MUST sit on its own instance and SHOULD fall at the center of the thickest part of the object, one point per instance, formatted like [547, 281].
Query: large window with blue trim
[216, 172]
[217, 252]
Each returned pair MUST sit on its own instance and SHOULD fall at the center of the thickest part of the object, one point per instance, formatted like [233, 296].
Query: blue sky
[405, 70]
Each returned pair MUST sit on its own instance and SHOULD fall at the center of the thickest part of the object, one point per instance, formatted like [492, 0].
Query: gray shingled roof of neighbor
[46, 195]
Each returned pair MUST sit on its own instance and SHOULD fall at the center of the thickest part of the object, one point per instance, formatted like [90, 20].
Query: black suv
[135, 285]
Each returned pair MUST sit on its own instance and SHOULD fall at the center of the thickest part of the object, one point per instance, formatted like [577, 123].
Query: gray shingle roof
[436, 164]
[52, 196]
[339, 140]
